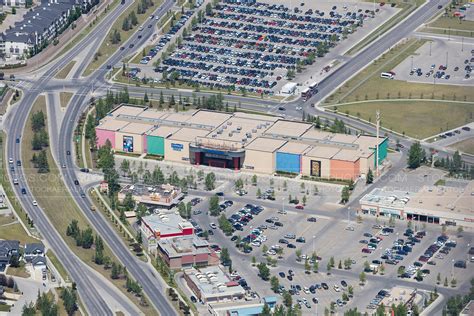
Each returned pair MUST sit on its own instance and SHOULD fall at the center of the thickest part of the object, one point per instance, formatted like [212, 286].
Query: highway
[15, 123]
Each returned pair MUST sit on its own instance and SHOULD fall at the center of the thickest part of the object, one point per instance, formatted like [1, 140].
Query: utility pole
[430, 48]
[377, 115]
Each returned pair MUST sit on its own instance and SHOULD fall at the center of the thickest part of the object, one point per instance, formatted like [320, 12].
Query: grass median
[10, 228]
[62, 74]
[55, 200]
[106, 48]
[64, 98]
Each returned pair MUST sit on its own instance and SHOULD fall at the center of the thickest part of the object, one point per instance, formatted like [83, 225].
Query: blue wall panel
[288, 162]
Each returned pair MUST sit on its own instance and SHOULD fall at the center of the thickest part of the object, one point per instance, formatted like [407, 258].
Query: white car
[306, 290]
[10, 160]
[35, 203]
[336, 288]
[15, 181]
[213, 226]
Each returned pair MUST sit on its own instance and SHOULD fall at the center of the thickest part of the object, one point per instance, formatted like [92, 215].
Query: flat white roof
[294, 148]
[266, 144]
[188, 134]
[136, 128]
[163, 131]
[288, 128]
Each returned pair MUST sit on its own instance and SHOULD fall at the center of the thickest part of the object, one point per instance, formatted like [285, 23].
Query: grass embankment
[11, 229]
[62, 74]
[106, 48]
[465, 146]
[368, 92]
[136, 59]
[406, 9]
[57, 203]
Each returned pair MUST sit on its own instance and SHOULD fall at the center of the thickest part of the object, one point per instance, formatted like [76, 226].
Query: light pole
[452, 269]
[314, 237]
[411, 62]
[430, 48]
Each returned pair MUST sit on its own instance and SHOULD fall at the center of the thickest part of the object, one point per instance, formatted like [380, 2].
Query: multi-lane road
[15, 123]
[86, 86]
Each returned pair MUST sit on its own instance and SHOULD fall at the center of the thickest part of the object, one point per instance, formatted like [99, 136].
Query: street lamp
[452, 269]
[314, 237]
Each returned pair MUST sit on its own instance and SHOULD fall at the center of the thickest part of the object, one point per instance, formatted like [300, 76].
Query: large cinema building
[240, 141]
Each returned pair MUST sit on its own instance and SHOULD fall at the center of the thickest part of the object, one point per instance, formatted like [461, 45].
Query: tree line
[39, 142]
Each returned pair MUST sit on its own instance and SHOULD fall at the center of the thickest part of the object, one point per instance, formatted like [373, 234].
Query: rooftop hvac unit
[224, 127]
[219, 131]
[214, 135]
[254, 130]
[239, 128]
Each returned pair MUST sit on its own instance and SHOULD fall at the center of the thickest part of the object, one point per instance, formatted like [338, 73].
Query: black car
[283, 241]
[280, 224]
[234, 238]
[281, 108]
[460, 264]
[312, 219]
[131, 45]
[325, 286]
[220, 193]
[193, 299]
[282, 274]
[23, 191]
[68, 153]
[76, 182]
[344, 283]
[290, 278]
[291, 246]
[18, 163]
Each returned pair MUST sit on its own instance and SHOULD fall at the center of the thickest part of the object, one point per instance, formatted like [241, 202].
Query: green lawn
[19, 272]
[62, 74]
[10, 229]
[106, 49]
[64, 98]
[465, 146]
[418, 119]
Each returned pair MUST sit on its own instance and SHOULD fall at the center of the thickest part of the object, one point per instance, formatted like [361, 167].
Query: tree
[401, 270]
[315, 266]
[254, 180]
[453, 282]
[332, 262]
[456, 163]
[274, 283]
[287, 299]
[225, 256]
[28, 309]
[445, 281]
[125, 167]
[416, 155]
[99, 250]
[307, 266]
[210, 181]
[298, 254]
[129, 202]
[214, 208]
[263, 271]
[362, 277]
[69, 297]
[438, 278]
[370, 177]
[266, 311]
[345, 195]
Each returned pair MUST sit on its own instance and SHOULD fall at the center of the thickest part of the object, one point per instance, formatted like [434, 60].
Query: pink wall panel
[103, 135]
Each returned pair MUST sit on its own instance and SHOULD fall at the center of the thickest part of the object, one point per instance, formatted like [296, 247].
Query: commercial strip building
[163, 225]
[240, 141]
[163, 196]
[242, 308]
[186, 252]
[212, 285]
[431, 204]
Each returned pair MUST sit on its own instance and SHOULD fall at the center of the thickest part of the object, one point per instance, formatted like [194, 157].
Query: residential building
[163, 225]
[33, 251]
[212, 285]
[39, 262]
[241, 141]
[186, 251]
[163, 196]
[8, 248]
[40, 26]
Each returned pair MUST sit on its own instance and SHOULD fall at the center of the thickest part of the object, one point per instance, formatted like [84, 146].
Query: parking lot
[439, 62]
[232, 49]
[326, 237]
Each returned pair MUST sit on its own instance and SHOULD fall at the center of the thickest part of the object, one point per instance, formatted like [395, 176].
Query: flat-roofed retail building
[450, 205]
[240, 141]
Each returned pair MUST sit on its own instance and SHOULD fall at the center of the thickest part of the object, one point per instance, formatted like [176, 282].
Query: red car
[366, 250]
[299, 207]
